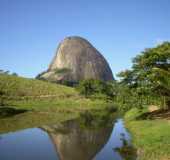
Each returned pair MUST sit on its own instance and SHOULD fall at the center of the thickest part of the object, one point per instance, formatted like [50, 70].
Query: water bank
[151, 137]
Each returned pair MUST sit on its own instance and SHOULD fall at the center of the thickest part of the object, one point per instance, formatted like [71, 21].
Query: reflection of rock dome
[75, 143]
[76, 59]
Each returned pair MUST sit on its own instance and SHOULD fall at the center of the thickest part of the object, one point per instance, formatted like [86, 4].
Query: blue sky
[30, 30]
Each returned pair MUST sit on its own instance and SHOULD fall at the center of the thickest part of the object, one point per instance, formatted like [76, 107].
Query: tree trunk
[168, 104]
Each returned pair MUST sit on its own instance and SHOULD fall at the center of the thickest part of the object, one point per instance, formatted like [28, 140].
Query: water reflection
[29, 144]
[72, 140]
[111, 149]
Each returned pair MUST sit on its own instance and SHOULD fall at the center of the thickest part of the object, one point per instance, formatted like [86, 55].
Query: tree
[92, 87]
[4, 72]
[1, 71]
[14, 74]
[2, 93]
[2, 103]
[150, 72]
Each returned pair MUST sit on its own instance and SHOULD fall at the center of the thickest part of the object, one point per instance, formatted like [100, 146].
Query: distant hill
[76, 59]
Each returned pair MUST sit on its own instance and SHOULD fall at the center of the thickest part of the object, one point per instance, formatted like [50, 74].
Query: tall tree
[151, 71]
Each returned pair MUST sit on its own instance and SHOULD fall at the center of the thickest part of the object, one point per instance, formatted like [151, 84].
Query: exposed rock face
[76, 59]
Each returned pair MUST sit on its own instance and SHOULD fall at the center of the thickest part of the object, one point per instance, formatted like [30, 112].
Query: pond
[71, 140]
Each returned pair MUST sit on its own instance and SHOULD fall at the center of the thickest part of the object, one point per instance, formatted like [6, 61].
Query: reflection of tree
[9, 111]
[73, 142]
[127, 151]
[2, 96]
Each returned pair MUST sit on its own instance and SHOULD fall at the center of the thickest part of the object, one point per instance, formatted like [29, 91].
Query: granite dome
[76, 59]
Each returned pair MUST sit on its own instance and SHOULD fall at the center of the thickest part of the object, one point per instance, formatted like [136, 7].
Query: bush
[62, 70]
[95, 87]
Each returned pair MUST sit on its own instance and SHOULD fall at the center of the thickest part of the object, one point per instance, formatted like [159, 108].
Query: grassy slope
[45, 103]
[23, 87]
[150, 137]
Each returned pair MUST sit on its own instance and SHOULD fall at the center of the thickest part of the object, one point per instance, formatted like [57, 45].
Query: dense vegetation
[150, 77]
[96, 88]
[150, 74]
[146, 83]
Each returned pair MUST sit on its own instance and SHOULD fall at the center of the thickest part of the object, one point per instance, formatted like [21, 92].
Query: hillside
[18, 87]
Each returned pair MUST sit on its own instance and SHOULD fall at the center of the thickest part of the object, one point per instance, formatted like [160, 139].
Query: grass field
[18, 87]
[150, 137]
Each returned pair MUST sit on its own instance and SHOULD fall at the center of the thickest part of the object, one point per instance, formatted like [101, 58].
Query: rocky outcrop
[76, 59]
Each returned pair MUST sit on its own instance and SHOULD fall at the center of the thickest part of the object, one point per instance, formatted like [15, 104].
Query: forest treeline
[147, 82]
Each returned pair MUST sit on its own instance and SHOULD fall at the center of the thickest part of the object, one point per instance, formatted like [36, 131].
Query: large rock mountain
[76, 59]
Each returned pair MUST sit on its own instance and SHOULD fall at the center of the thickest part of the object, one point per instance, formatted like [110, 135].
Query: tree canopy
[150, 71]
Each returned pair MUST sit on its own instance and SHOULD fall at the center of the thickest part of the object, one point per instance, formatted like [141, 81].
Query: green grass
[134, 113]
[150, 137]
[19, 87]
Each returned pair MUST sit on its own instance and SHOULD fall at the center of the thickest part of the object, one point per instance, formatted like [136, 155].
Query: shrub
[95, 87]
[62, 70]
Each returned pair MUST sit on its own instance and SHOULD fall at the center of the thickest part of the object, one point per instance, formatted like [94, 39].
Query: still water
[67, 141]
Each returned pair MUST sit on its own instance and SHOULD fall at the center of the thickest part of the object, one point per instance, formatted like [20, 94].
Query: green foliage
[39, 75]
[9, 111]
[1, 71]
[8, 73]
[96, 87]
[67, 83]
[2, 99]
[14, 74]
[150, 73]
[134, 113]
[126, 98]
[2, 93]
[62, 70]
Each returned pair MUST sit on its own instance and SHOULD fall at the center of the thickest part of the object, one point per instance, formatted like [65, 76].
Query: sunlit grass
[150, 137]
